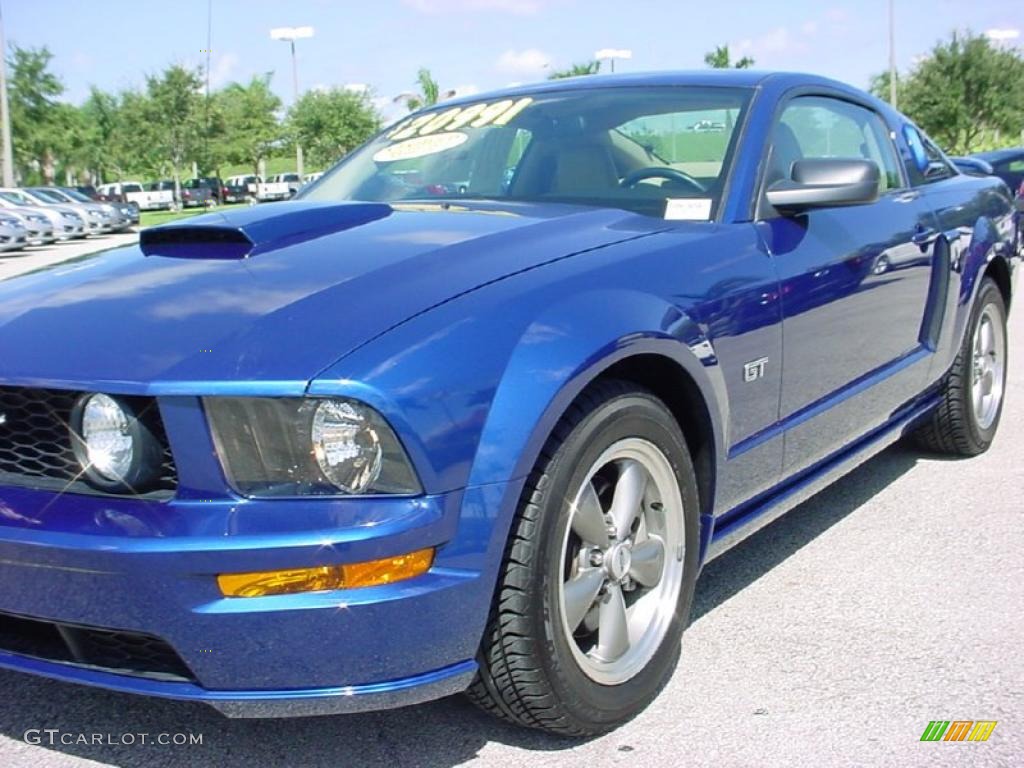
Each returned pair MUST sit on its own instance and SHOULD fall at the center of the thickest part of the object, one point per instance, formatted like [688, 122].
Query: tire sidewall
[634, 415]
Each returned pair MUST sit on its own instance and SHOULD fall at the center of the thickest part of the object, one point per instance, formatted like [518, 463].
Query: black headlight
[308, 447]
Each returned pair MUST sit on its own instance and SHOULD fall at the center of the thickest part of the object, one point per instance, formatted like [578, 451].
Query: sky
[476, 45]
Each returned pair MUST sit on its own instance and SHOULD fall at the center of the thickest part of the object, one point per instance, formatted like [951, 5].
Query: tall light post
[291, 34]
[5, 113]
[892, 53]
[611, 54]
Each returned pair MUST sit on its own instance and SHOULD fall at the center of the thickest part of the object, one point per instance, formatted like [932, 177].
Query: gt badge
[754, 370]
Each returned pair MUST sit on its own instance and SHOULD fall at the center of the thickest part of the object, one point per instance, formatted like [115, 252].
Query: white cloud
[778, 40]
[356, 87]
[809, 27]
[528, 62]
[1002, 35]
[517, 7]
[222, 69]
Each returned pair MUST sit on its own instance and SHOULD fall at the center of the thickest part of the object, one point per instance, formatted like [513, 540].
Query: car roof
[995, 155]
[736, 78]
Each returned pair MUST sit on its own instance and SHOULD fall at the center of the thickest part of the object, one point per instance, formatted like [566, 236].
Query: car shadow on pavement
[436, 735]
[740, 566]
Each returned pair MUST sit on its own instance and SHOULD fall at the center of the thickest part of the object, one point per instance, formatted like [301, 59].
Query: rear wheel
[599, 571]
[968, 416]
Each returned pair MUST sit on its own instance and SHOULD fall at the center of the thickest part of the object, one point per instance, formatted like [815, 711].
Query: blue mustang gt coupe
[472, 411]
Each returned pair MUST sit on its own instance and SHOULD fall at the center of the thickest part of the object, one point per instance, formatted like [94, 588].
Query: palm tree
[428, 94]
[577, 70]
[719, 59]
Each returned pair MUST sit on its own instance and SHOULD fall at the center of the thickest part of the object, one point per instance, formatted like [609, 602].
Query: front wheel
[967, 417]
[599, 571]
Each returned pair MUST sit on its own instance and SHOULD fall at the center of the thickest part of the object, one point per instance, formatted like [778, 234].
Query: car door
[854, 283]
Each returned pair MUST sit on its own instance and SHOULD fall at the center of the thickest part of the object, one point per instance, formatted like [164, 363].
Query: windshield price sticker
[688, 209]
[477, 115]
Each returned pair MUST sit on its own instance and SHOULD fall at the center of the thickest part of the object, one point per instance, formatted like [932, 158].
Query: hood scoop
[255, 230]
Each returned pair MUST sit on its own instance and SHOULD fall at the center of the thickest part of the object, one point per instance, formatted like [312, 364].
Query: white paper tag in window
[688, 209]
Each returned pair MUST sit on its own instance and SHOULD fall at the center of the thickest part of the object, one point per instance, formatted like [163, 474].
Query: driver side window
[823, 127]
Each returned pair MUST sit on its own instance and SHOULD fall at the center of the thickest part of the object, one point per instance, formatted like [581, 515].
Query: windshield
[74, 194]
[48, 196]
[126, 188]
[662, 151]
[17, 198]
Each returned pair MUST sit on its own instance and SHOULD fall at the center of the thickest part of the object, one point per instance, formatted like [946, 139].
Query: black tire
[953, 427]
[527, 672]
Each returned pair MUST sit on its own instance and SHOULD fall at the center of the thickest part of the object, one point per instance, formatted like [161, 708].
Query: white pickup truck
[241, 188]
[134, 192]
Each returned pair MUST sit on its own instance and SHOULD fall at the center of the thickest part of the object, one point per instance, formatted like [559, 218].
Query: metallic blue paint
[471, 327]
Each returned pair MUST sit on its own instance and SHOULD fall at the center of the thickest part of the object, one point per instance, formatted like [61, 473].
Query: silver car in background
[67, 222]
[12, 233]
[38, 228]
[126, 214]
[100, 217]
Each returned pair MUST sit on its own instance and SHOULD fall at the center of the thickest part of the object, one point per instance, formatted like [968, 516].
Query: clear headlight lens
[274, 447]
[105, 432]
[114, 439]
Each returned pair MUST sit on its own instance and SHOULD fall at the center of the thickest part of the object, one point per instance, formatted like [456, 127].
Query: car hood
[272, 294]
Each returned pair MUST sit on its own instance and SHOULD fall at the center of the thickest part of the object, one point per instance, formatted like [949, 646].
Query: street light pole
[295, 91]
[291, 34]
[892, 53]
[5, 113]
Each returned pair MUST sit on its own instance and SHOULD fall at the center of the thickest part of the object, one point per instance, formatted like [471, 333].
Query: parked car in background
[38, 228]
[972, 166]
[40, 223]
[391, 441]
[165, 185]
[109, 218]
[238, 189]
[252, 187]
[89, 191]
[12, 233]
[1008, 165]
[134, 192]
[202, 191]
[129, 211]
[68, 221]
[293, 180]
[311, 177]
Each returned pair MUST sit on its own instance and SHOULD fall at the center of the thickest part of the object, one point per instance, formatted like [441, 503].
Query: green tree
[250, 125]
[964, 90]
[38, 122]
[174, 120]
[429, 91]
[577, 70]
[720, 59]
[330, 123]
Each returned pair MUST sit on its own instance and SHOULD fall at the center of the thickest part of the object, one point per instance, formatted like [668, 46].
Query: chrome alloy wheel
[988, 367]
[622, 561]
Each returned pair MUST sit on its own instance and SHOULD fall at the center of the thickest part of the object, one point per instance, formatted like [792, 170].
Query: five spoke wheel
[987, 368]
[622, 561]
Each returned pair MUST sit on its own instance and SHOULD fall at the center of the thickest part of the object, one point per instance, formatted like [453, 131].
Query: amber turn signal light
[349, 576]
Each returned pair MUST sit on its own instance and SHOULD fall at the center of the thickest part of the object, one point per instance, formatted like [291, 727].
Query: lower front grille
[124, 653]
[35, 442]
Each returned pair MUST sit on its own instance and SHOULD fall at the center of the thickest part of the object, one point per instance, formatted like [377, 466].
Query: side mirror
[824, 182]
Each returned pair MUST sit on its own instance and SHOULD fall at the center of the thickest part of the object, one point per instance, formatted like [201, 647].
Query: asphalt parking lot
[832, 637]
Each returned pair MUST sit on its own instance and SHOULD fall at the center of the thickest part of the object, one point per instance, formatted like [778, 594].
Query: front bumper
[150, 567]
